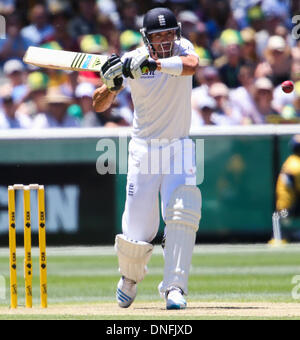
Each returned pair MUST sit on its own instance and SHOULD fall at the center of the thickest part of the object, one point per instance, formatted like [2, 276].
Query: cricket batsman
[160, 78]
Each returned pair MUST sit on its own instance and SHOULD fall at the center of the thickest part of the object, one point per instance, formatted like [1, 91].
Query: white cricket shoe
[126, 292]
[175, 299]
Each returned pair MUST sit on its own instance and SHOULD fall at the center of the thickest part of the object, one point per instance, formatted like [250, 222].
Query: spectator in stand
[86, 21]
[108, 29]
[206, 77]
[216, 14]
[39, 29]
[189, 21]
[15, 45]
[111, 118]
[125, 106]
[93, 43]
[176, 6]
[243, 96]
[130, 40]
[109, 9]
[273, 13]
[239, 11]
[59, 19]
[7, 7]
[230, 63]
[56, 115]
[276, 12]
[204, 112]
[84, 94]
[284, 32]
[249, 53]
[278, 61]
[263, 97]
[195, 31]
[256, 20]
[209, 112]
[37, 83]
[9, 119]
[224, 108]
[128, 14]
[14, 70]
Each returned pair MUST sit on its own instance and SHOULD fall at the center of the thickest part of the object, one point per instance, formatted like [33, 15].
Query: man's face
[246, 76]
[248, 47]
[16, 77]
[264, 97]
[220, 99]
[162, 44]
[278, 55]
[39, 16]
[233, 51]
[60, 23]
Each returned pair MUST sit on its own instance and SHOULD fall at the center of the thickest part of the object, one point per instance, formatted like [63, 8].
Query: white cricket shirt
[162, 102]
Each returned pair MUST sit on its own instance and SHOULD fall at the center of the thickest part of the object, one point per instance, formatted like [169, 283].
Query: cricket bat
[64, 60]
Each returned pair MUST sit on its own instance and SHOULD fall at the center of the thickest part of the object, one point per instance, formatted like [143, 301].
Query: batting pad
[182, 222]
[133, 257]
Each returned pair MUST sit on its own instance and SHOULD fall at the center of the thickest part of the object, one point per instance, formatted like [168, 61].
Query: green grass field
[226, 282]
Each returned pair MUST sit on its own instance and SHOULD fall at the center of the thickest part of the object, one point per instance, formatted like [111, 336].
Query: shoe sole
[174, 306]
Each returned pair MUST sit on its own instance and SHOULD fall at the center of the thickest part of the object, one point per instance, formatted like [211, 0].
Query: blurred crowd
[246, 49]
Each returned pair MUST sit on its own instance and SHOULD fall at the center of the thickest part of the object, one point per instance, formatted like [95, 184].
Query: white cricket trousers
[156, 168]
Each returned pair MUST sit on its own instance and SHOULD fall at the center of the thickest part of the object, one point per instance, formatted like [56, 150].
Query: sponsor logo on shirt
[148, 74]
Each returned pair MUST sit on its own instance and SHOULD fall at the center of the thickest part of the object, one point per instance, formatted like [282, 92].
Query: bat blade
[63, 60]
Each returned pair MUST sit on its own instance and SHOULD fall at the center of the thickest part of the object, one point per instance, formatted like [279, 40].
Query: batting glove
[111, 73]
[137, 65]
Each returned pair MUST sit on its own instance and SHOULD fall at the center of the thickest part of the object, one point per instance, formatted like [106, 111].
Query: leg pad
[133, 257]
[182, 222]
